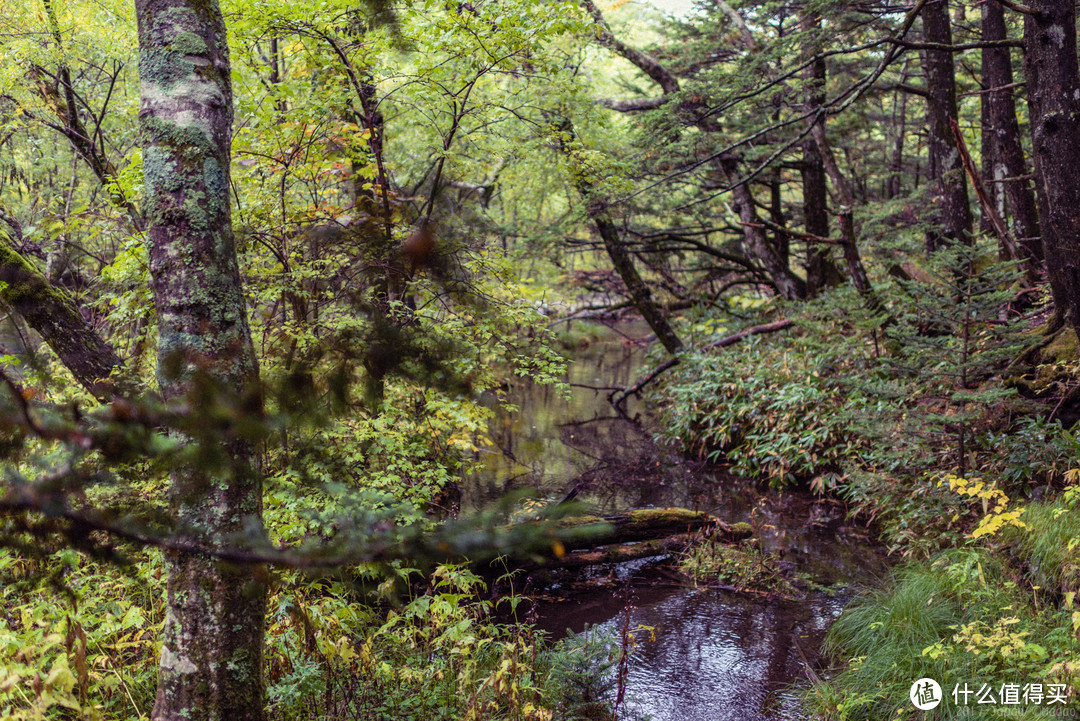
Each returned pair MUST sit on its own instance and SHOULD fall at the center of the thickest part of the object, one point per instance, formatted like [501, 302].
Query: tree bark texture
[1050, 64]
[953, 219]
[211, 653]
[986, 172]
[54, 314]
[896, 165]
[787, 284]
[846, 217]
[1003, 128]
[820, 271]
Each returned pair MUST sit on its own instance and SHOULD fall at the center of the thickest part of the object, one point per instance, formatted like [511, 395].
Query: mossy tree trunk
[54, 314]
[211, 653]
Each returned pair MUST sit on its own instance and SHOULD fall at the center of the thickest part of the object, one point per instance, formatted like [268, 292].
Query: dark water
[710, 654]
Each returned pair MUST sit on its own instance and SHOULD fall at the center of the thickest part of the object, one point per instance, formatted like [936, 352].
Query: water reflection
[715, 655]
[554, 444]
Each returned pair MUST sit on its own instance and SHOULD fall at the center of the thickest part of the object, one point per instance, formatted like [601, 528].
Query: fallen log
[621, 553]
[589, 540]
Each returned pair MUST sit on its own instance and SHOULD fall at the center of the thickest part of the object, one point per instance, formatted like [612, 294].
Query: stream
[710, 654]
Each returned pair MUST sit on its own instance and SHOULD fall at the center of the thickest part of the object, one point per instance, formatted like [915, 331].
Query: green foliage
[1048, 548]
[960, 618]
[766, 409]
[92, 650]
[441, 656]
[88, 648]
[744, 566]
[873, 406]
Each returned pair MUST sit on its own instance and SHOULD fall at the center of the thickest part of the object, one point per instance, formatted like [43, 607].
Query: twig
[617, 400]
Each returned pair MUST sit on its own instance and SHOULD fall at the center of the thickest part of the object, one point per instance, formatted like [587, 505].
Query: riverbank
[703, 652]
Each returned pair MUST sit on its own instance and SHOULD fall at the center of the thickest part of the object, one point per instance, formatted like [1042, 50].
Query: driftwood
[590, 540]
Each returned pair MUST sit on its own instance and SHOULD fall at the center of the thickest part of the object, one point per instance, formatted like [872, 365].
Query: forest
[536, 360]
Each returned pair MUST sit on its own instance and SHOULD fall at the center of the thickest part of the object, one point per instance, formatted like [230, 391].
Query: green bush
[766, 409]
[329, 655]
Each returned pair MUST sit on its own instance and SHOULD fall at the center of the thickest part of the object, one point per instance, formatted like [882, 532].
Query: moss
[196, 214]
[188, 44]
[23, 284]
[159, 171]
[665, 515]
[216, 182]
[742, 529]
[192, 140]
[1064, 348]
[163, 67]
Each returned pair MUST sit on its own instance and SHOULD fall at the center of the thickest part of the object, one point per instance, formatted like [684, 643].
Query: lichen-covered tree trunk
[1009, 168]
[53, 313]
[211, 653]
[1050, 64]
[950, 183]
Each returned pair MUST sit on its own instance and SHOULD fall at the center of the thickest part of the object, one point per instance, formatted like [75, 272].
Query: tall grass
[1048, 547]
[958, 619]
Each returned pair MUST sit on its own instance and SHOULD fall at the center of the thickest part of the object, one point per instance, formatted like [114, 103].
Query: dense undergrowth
[91, 652]
[931, 416]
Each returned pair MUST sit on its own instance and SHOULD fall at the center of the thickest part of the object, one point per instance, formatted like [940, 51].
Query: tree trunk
[896, 166]
[591, 539]
[639, 291]
[211, 653]
[847, 219]
[787, 284]
[781, 241]
[986, 148]
[621, 260]
[815, 219]
[820, 270]
[53, 313]
[954, 219]
[1050, 64]
[631, 526]
[1008, 153]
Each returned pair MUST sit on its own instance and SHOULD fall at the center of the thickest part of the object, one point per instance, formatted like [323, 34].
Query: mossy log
[54, 314]
[622, 552]
[588, 540]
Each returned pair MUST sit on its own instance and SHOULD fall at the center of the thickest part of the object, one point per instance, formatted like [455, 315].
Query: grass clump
[960, 618]
[1049, 548]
